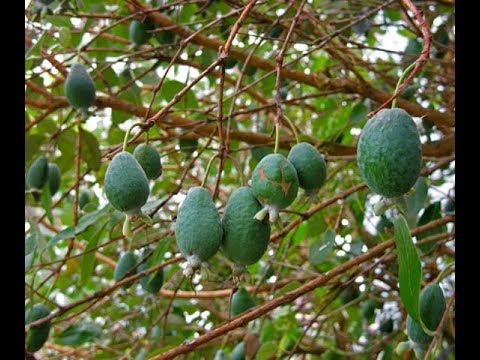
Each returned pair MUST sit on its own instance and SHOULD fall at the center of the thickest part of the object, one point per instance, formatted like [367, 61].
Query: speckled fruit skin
[79, 87]
[37, 174]
[241, 301]
[37, 335]
[126, 184]
[389, 153]
[125, 266]
[238, 352]
[198, 229]
[139, 31]
[432, 307]
[54, 178]
[275, 181]
[149, 159]
[245, 239]
[310, 166]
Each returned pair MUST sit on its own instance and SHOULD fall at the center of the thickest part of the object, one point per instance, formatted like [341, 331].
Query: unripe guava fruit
[245, 239]
[389, 153]
[37, 174]
[149, 159]
[241, 301]
[79, 88]
[37, 335]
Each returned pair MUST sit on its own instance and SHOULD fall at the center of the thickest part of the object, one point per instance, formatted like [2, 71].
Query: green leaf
[88, 260]
[76, 335]
[358, 113]
[416, 201]
[65, 36]
[91, 150]
[267, 350]
[410, 268]
[432, 212]
[32, 145]
[172, 88]
[322, 248]
[290, 287]
[268, 332]
[84, 222]
[47, 203]
[59, 20]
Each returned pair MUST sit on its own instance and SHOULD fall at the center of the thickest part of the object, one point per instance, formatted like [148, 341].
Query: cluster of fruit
[244, 232]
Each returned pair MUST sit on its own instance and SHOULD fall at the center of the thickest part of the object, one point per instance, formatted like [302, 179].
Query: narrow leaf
[322, 248]
[410, 268]
[88, 261]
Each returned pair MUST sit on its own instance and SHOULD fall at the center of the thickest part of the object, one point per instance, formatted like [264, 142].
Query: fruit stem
[239, 170]
[207, 170]
[400, 81]
[297, 139]
[261, 214]
[277, 137]
[125, 140]
[126, 231]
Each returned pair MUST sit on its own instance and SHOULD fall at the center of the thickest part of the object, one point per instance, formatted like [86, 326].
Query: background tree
[210, 82]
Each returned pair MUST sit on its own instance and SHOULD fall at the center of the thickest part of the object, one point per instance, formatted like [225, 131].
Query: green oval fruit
[283, 93]
[220, 355]
[275, 31]
[349, 294]
[37, 174]
[37, 335]
[198, 229]
[84, 198]
[165, 37]
[310, 166]
[241, 302]
[238, 352]
[230, 62]
[125, 266]
[275, 183]
[245, 239]
[79, 87]
[432, 307]
[389, 153]
[362, 26]
[153, 285]
[126, 184]
[139, 31]
[250, 70]
[54, 177]
[149, 159]
[368, 309]
[386, 326]
[188, 146]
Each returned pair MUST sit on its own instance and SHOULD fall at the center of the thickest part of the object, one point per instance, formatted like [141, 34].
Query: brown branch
[268, 306]
[419, 63]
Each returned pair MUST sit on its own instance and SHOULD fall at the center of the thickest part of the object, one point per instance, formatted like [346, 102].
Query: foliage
[327, 286]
